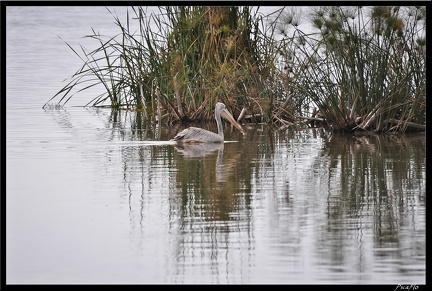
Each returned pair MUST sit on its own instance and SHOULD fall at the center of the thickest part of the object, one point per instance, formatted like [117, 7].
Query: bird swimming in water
[200, 135]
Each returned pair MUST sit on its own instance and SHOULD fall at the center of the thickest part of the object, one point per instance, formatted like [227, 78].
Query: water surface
[95, 196]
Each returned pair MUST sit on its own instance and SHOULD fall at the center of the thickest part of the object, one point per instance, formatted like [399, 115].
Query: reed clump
[363, 68]
[179, 62]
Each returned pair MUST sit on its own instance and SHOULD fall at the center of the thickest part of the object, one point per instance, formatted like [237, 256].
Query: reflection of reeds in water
[212, 210]
[361, 193]
[378, 170]
[205, 173]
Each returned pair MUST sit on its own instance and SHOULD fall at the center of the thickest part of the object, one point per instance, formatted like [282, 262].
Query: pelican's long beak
[225, 114]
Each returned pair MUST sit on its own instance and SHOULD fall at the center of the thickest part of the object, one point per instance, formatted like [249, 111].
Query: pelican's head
[221, 110]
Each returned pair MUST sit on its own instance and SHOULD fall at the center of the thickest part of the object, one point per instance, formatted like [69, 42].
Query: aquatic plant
[179, 62]
[362, 67]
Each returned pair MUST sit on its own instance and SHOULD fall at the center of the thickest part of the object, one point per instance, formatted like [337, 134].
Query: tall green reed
[363, 69]
[178, 62]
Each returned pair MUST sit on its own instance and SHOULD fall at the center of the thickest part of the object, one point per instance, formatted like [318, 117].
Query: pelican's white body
[200, 135]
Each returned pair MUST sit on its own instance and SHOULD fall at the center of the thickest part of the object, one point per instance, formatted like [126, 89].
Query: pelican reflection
[203, 149]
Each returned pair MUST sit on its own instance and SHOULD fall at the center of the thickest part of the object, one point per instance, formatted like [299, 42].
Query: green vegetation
[361, 68]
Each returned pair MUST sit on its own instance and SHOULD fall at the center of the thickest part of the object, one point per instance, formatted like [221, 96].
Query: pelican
[200, 135]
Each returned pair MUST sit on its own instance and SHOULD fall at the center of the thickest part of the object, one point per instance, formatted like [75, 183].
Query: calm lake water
[95, 196]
